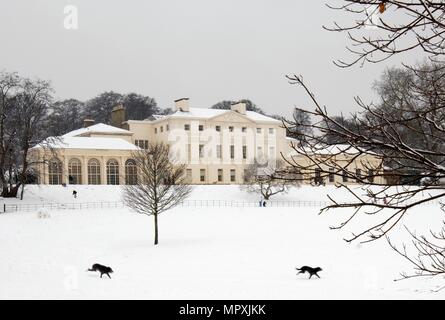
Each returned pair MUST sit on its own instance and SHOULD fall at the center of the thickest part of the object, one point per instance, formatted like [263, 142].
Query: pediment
[231, 116]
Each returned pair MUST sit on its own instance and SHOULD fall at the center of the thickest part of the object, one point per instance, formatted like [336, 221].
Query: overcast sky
[206, 50]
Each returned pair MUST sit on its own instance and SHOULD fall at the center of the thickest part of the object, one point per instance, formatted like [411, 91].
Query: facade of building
[216, 145]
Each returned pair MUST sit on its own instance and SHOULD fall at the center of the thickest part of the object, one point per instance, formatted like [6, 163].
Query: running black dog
[102, 269]
[310, 270]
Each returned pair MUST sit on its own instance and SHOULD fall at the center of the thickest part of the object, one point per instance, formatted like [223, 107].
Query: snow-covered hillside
[204, 253]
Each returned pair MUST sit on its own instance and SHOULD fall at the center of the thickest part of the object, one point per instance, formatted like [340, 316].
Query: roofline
[128, 133]
[180, 99]
[224, 111]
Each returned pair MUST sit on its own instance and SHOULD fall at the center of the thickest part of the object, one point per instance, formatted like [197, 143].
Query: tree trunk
[23, 190]
[156, 228]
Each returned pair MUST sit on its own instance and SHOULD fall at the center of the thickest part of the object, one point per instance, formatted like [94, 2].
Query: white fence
[27, 207]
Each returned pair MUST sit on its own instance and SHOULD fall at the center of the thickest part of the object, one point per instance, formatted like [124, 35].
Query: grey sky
[202, 49]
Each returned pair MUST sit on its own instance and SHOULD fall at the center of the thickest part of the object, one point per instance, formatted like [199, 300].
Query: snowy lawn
[204, 253]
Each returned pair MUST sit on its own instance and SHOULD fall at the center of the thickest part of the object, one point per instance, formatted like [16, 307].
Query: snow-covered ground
[204, 253]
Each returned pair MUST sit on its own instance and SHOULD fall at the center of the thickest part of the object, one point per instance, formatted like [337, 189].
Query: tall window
[112, 172]
[371, 176]
[259, 152]
[75, 171]
[220, 175]
[331, 175]
[232, 175]
[131, 174]
[232, 151]
[201, 151]
[143, 144]
[202, 174]
[244, 152]
[358, 174]
[188, 175]
[93, 171]
[272, 152]
[345, 175]
[55, 171]
[218, 151]
[318, 179]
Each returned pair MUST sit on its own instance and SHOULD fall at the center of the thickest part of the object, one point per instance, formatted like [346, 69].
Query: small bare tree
[265, 180]
[160, 186]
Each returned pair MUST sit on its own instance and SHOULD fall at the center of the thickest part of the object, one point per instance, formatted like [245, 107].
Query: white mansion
[216, 145]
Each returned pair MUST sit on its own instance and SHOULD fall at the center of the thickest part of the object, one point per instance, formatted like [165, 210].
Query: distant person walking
[261, 202]
[74, 194]
[264, 203]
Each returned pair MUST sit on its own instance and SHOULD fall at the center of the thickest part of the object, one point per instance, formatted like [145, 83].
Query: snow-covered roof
[156, 117]
[90, 143]
[97, 128]
[208, 113]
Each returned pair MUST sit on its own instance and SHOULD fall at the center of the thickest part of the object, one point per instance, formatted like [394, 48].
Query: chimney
[118, 116]
[182, 104]
[88, 122]
[239, 107]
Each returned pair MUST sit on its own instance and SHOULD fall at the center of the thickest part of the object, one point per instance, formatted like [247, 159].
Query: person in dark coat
[264, 203]
[74, 194]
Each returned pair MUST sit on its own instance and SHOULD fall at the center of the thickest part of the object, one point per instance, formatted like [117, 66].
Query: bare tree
[265, 180]
[23, 109]
[9, 85]
[160, 186]
[31, 110]
[402, 26]
[300, 125]
[406, 130]
[377, 134]
[429, 258]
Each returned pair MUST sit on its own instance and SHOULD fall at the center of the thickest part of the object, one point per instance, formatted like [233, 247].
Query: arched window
[131, 175]
[112, 172]
[75, 171]
[55, 171]
[93, 171]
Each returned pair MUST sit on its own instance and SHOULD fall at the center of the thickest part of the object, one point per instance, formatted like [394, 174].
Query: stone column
[85, 170]
[122, 170]
[65, 172]
[103, 170]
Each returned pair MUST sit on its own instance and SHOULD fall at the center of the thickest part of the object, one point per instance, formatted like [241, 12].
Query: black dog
[102, 269]
[310, 270]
